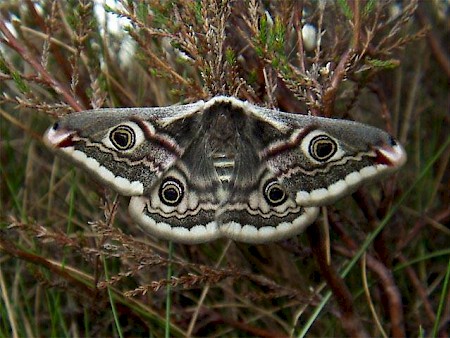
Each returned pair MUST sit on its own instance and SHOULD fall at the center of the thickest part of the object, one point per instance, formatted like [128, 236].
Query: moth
[224, 167]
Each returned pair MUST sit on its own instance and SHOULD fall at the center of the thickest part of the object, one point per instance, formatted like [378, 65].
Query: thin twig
[421, 290]
[368, 208]
[393, 294]
[356, 24]
[436, 49]
[391, 290]
[329, 95]
[52, 82]
[369, 297]
[351, 323]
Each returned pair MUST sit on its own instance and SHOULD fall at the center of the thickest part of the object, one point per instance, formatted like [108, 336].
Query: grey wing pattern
[127, 149]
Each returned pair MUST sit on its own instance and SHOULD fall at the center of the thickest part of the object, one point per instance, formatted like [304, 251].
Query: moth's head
[390, 152]
[57, 136]
[65, 131]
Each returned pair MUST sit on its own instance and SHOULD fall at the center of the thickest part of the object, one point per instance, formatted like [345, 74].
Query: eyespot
[171, 191]
[322, 148]
[123, 137]
[274, 193]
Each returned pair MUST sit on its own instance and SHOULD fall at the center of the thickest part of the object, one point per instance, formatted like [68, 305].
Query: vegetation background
[73, 264]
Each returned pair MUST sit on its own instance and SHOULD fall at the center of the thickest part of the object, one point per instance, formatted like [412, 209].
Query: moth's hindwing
[224, 167]
[264, 212]
[182, 205]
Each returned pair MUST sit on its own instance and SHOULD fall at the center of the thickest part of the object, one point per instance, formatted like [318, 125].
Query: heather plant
[73, 263]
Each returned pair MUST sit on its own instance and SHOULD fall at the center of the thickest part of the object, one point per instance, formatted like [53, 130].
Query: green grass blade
[111, 300]
[168, 290]
[443, 298]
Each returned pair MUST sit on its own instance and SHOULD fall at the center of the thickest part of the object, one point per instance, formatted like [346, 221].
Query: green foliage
[230, 56]
[197, 8]
[271, 37]
[16, 77]
[3, 66]
[369, 7]
[345, 8]
[383, 64]
[142, 11]
[277, 36]
[261, 39]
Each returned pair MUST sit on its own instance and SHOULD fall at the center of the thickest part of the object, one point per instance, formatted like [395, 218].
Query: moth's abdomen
[224, 165]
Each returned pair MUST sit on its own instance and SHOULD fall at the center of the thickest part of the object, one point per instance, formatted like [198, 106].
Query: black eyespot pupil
[322, 148]
[55, 125]
[274, 194]
[170, 194]
[123, 137]
[171, 191]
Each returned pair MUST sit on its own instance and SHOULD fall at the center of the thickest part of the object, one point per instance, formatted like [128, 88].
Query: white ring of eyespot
[171, 183]
[306, 142]
[316, 142]
[267, 189]
[123, 129]
[138, 136]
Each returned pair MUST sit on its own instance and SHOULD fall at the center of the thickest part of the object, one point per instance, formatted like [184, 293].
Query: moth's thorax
[221, 125]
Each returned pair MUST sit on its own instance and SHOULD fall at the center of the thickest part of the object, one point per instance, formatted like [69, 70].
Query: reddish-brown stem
[385, 113]
[62, 61]
[351, 323]
[301, 54]
[389, 287]
[356, 24]
[440, 216]
[9, 248]
[298, 13]
[52, 82]
[421, 291]
[59, 57]
[252, 330]
[436, 49]
[329, 95]
[367, 206]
